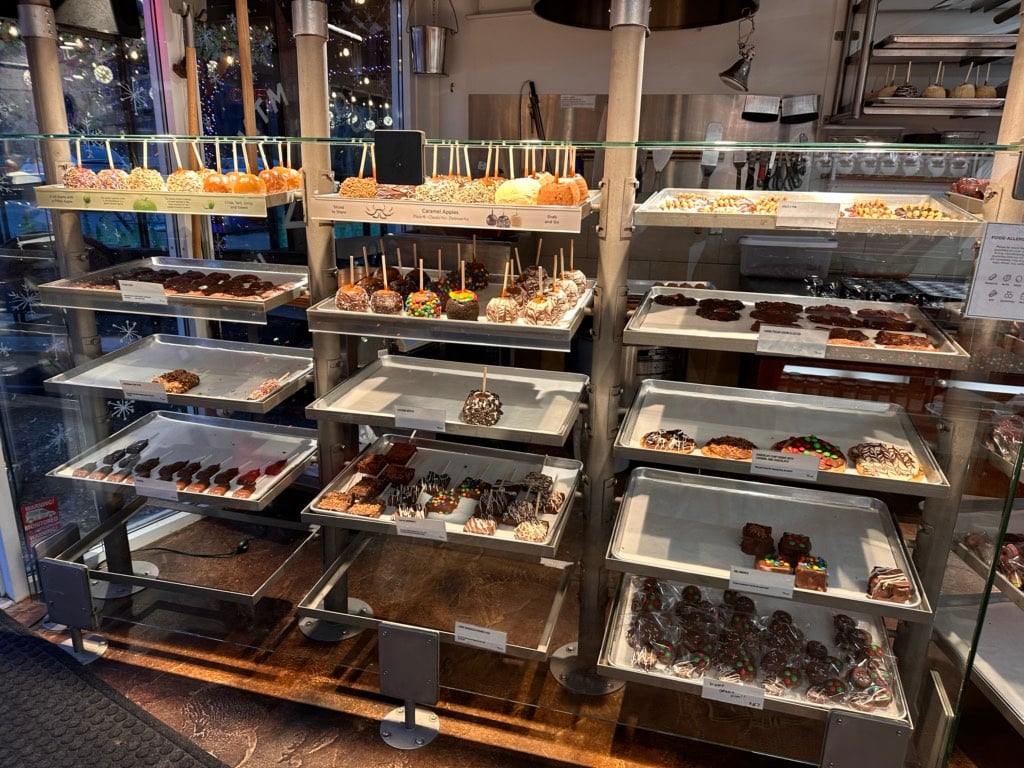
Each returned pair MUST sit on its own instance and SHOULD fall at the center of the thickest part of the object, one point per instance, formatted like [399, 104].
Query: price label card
[156, 489]
[789, 466]
[138, 292]
[436, 530]
[147, 391]
[732, 693]
[802, 342]
[807, 215]
[480, 637]
[430, 419]
[761, 582]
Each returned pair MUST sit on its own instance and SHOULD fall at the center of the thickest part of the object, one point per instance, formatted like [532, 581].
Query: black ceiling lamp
[665, 14]
[736, 75]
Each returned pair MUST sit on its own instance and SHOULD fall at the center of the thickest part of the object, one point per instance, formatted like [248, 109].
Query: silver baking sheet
[657, 325]
[675, 525]
[537, 406]
[228, 371]
[960, 42]
[177, 436]
[915, 102]
[486, 464]
[325, 316]
[616, 658]
[704, 412]
[964, 224]
[63, 293]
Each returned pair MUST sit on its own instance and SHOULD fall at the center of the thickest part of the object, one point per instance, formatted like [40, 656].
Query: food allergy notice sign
[997, 290]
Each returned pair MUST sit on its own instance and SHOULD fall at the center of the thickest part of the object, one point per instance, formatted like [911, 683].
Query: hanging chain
[743, 40]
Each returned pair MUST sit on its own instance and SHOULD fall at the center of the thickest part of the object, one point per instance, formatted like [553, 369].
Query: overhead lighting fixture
[335, 28]
[736, 75]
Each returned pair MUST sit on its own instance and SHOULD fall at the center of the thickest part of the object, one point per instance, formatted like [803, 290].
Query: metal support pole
[309, 21]
[1002, 207]
[39, 30]
[576, 667]
[857, 99]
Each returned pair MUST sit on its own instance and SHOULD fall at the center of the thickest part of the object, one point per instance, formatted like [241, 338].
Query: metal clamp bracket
[37, 21]
[309, 17]
[635, 13]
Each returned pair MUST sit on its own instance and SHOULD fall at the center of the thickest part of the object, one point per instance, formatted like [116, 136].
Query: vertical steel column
[309, 23]
[629, 30]
[864, 60]
[39, 30]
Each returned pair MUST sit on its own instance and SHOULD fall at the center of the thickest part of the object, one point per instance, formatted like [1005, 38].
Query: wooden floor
[250, 688]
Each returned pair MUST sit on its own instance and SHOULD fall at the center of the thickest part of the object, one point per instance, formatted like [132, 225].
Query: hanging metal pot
[430, 41]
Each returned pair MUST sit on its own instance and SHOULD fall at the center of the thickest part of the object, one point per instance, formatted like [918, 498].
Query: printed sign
[997, 290]
[480, 637]
[40, 519]
[801, 342]
[761, 582]
[789, 466]
[138, 292]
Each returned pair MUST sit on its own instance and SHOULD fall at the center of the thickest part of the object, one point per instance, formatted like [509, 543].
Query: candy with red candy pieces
[77, 177]
[423, 304]
[112, 178]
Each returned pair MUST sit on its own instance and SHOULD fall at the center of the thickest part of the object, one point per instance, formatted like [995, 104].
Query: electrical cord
[241, 548]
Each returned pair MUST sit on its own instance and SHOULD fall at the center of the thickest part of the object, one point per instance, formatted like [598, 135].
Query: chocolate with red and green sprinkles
[830, 457]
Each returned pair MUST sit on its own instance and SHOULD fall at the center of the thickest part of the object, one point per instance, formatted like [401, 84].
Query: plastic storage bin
[786, 256]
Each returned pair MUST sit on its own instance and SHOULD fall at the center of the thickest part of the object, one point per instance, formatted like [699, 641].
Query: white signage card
[807, 215]
[138, 292]
[480, 637]
[761, 582]
[156, 489]
[147, 391]
[997, 290]
[435, 530]
[789, 466]
[732, 693]
[577, 101]
[430, 419]
[782, 340]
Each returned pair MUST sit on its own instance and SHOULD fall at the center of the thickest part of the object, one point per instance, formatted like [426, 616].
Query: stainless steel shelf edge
[682, 328]
[787, 498]
[982, 568]
[707, 411]
[227, 353]
[930, 111]
[59, 197]
[303, 453]
[327, 318]
[540, 407]
[454, 531]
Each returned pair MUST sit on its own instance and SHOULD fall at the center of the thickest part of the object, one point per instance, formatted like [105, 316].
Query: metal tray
[63, 293]
[228, 371]
[965, 224]
[675, 525]
[325, 316]
[485, 216]
[764, 418]
[484, 463]
[179, 436]
[59, 197]
[538, 406]
[914, 102]
[616, 658]
[657, 325]
[912, 42]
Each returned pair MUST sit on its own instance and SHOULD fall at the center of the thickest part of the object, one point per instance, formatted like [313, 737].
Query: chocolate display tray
[669, 326]
[980, 516]
[817, 622]
[59, 197]
[538, 406]
[65, 292]
[178, 436]
[963, 224]
[228, 371]
[675, 525]
[483, 463]
[484, 216]
[325, 316]
[704, 412]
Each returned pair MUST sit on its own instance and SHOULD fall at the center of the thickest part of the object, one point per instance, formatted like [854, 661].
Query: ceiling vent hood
[665, 14]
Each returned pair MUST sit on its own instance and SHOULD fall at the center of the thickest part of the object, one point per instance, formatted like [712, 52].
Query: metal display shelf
[650, 214]
[177, 437]
[704, 412]
[616, 658]
[487, 464]
[538, 406]
[73, 295]
[484, 216]
[675, 525]
[986, 521]
[959, 47]
[59, 197]
[326, 317]
[936, 108]
[997, 670]
[228, 371]
[654, 324]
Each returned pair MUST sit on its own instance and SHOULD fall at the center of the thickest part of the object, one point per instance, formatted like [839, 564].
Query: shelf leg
[409, 727]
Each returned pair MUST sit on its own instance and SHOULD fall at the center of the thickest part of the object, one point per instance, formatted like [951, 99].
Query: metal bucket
[428, 48]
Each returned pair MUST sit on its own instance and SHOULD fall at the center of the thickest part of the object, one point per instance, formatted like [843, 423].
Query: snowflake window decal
[121, 409]
[57, 437]
[25, 299]
[5, 351]
[128, 330]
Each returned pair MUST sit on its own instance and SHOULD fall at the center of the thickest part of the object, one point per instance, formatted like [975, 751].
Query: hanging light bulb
[736, 76]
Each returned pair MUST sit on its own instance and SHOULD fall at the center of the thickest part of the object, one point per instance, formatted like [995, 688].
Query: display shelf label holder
[430, 419]
[138, 292]
[800, 342]
[732, 693]
[789, 466]
[761, 582]
[480, 637]
[800, 214]
[144, 391]
[435, 530]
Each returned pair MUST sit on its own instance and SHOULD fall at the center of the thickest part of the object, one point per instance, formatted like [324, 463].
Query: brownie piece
[400, 453]
[811, 573]
[757, 540]
[793, 546]
[773, 564]
[398, 475]
[366, 508]
[367, 488]
[372, 464]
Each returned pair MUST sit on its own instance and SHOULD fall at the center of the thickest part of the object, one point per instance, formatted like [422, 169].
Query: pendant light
[736, 76]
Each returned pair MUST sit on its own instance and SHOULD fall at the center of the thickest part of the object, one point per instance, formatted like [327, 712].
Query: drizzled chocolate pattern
[674, 440]
[886, 460]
